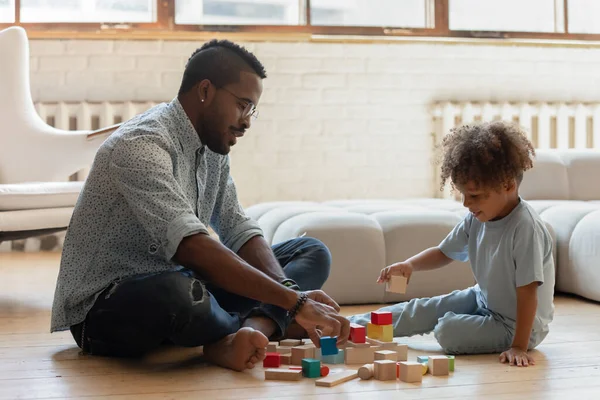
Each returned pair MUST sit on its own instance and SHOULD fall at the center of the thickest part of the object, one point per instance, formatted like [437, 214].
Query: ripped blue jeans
[140, 313]
[459, 321]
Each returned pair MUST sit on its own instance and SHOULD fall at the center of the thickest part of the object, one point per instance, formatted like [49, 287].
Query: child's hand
[402, 268]
[515, 356]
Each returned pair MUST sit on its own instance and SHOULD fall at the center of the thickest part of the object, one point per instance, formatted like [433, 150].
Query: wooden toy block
[425, 368]
[318, 355]
[396, 284]
[366, 372]
[359, 355]
[387, 334]
[283, 350]
[357, 333]
[381, 317]
[358, 345]
[301, 352]
[375, 342]
[438, 365]
[324, 370]
[410, 372]
[450, 363]
[328, 346]
[386, 355]
[286, 359]
[422, 359]
[277, 374]
[385, 370]
[296, 368]
[336, 379]
[311, 368]
[291, 342]
[402, 350]
[272, 360]
[374, 331]
[334, 358]
[272, 347]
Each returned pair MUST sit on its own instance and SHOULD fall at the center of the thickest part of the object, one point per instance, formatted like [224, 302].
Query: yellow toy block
[387, 334]
[374, 331]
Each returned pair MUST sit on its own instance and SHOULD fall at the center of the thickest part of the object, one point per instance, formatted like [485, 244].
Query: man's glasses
[249, 110]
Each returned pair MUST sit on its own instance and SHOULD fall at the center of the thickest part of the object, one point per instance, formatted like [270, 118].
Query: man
[139, 268]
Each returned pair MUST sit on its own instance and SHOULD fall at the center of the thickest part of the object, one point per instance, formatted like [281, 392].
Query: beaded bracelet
[301, 300]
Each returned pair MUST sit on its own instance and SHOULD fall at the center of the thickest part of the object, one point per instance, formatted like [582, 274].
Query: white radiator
[89, 115]
[548, 125]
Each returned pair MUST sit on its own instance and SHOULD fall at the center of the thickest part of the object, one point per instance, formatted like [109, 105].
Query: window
[502, 15]
[88, 11]
[237, 12]
[584, 16]
[388, 13]
[7, 11]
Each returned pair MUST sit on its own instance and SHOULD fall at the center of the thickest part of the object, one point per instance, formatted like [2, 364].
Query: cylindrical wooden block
[366, 372]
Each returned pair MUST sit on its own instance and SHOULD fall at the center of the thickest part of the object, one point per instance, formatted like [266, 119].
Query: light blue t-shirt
[505, 254]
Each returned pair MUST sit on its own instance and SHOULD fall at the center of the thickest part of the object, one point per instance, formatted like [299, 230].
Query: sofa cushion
[27, 220]
[32, 196]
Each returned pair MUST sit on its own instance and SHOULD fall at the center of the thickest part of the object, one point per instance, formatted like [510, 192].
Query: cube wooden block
[385, 370]
[374, 331]
[387, 334]
[286, 359]
[334, 358]
[410, 372]
[357, 333]
[291, 342]
[301, 352]
[279, 374]
[272, 347]
[386, 355]
[381, 317]
[402, 350]
[422, 359]
[359, 355]
[272, 360]
[396, 284]
[311, 368]
[438, 365]
[328, 346]
[357, 345]
[283, 350]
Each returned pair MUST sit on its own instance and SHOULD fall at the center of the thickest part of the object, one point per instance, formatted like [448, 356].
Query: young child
[507, 244]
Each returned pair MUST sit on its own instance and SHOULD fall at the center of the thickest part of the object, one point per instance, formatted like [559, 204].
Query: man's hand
[515, 356]
[402, 268]
[316, 315]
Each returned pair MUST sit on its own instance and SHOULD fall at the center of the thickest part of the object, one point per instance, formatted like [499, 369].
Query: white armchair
[35, 158]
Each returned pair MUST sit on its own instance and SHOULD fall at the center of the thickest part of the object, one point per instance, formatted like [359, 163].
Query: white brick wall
[337, 120]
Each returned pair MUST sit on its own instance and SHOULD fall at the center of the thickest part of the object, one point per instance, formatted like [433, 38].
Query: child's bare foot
[238, 351]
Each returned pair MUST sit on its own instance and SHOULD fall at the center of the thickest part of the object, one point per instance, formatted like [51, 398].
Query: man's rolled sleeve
[229, 220]
[141, 168]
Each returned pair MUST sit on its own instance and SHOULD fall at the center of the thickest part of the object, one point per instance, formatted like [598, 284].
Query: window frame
[165, 28]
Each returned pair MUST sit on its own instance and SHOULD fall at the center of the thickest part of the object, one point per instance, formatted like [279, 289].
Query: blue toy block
[422, 359]
[334, 358]
[328, 346]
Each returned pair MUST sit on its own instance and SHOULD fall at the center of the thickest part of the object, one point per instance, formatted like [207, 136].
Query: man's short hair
[221, 62]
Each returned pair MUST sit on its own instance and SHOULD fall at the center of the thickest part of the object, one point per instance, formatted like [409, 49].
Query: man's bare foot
[238, 351]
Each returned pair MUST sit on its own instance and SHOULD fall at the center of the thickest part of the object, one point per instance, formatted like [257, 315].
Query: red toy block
[358, 333]
[272, 360]
[324, 370]
[381, 317]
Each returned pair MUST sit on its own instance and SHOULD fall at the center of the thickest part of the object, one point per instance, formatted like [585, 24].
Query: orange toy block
[385, 370]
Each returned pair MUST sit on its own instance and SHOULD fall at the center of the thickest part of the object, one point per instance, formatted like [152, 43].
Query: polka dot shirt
[152, 183]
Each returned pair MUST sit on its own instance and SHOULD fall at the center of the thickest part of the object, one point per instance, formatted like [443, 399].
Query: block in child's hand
[381, 317]
[357, 333]
[328, 346]
[396, 284]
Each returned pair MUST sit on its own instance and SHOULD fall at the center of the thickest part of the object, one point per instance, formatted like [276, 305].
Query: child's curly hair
[490, 154]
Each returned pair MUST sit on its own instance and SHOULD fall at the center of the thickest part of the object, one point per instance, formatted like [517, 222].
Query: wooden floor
[37, 364]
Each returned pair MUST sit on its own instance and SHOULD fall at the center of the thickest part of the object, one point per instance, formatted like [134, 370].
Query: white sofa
[366, 235]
